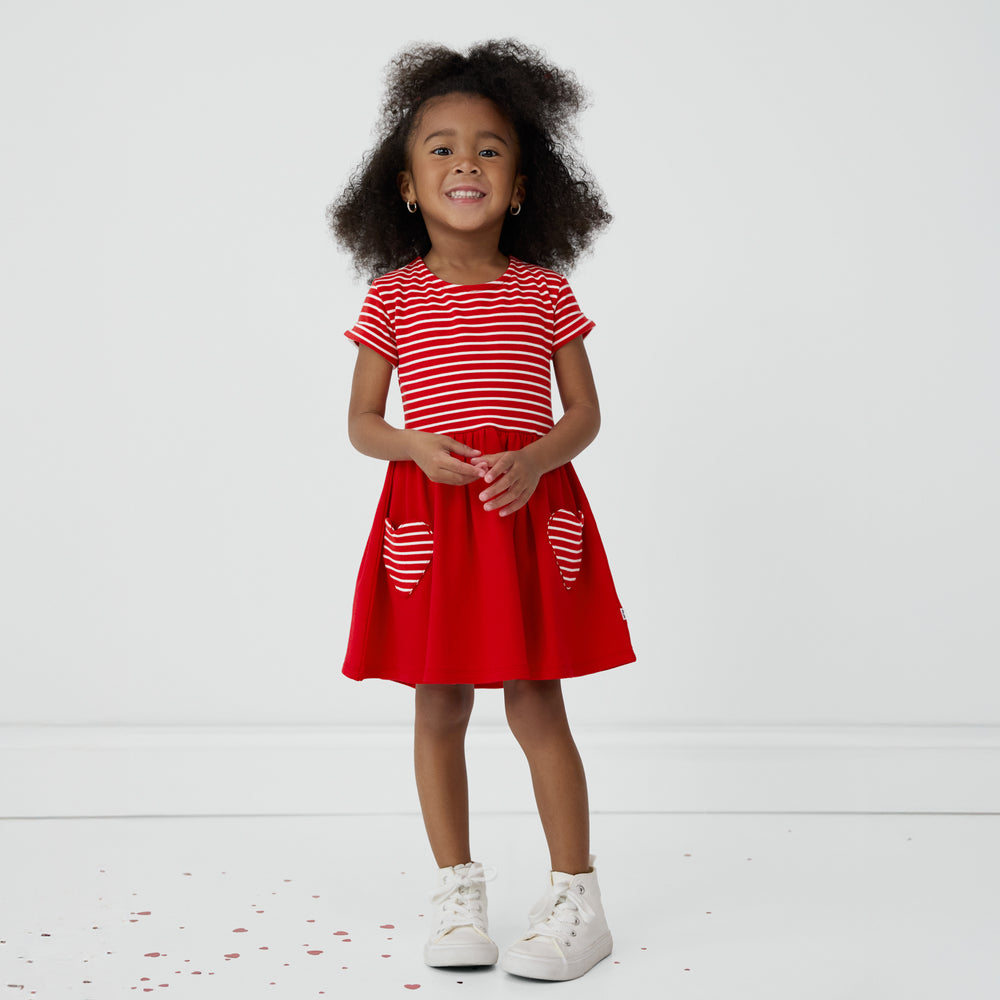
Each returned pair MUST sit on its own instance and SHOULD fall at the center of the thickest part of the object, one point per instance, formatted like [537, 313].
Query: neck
[465, 266]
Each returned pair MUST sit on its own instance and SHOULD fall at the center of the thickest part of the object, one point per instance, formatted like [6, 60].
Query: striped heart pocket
[565, 531]
[406, 551]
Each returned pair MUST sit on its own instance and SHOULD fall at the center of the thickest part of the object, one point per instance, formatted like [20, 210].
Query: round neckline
[478, 284]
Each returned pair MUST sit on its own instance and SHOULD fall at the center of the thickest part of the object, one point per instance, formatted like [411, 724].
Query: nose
[467, 166]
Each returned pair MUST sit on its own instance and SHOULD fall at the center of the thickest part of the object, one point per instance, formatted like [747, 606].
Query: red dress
[449, 593]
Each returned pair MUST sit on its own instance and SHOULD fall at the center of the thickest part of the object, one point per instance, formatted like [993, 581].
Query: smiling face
[462, 173]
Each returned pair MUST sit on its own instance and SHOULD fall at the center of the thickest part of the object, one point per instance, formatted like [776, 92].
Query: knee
[444, 708]
[535, 710]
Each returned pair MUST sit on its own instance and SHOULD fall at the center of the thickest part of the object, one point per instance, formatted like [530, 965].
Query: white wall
[797, 480]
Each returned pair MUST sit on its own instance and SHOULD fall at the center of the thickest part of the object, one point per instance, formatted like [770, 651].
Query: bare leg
[537, 718]
[442, 717]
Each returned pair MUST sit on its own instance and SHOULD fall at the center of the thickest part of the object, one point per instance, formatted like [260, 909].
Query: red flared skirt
[449, 593]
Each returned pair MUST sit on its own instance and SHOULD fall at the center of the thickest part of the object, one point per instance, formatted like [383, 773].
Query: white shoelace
[461, 899]
[558, 913]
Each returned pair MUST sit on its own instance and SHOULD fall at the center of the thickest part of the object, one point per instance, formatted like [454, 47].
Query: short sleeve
[374, 328]
[570, 321]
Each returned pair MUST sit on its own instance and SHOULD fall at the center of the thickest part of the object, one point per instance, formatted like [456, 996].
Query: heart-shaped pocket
[565, 531]
[406, 551]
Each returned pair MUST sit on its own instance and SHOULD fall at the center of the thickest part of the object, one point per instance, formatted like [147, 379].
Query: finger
[498, 488]
[517, 505]
[507, 505]
[457, 448]
[448, 465]
[456, 478]
[502, 465]
[514, 494]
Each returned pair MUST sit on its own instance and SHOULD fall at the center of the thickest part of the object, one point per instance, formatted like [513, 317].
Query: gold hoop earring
[515, 209]
[411, 207]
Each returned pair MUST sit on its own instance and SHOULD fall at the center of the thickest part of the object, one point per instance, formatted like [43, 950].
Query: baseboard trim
[282, 770]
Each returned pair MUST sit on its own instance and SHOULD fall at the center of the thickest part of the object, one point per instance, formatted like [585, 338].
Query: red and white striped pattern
[406, 551]
[565, 531]
[472, 356]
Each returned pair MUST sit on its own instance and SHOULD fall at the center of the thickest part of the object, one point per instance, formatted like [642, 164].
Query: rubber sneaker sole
[458, 953]
[554, 969]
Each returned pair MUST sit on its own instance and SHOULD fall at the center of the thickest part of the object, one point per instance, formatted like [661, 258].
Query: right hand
[435, 454]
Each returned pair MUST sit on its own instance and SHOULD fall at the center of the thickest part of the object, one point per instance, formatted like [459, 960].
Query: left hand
[513, 476]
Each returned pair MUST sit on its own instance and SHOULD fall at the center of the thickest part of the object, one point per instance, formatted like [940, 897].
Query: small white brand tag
[624, 618]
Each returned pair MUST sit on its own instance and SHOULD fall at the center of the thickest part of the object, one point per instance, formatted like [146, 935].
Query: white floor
[701, 906]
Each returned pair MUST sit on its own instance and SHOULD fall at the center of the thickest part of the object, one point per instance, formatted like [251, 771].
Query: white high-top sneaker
[460, 935]
[568, 933]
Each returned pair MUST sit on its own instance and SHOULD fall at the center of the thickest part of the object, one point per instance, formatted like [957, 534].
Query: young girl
[484, 567]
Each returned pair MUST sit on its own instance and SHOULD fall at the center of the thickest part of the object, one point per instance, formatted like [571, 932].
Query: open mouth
[466, 194]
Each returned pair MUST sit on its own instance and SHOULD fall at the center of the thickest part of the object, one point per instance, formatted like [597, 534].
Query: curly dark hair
[565, 209]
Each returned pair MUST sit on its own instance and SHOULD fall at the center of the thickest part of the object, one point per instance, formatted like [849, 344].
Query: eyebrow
[450, 132]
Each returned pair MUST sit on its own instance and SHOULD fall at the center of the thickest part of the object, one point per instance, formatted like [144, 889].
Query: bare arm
[581, 419]
[372, 435]
[514, 475]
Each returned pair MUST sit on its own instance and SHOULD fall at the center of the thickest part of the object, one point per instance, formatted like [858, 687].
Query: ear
[405, 184]
[520, 185]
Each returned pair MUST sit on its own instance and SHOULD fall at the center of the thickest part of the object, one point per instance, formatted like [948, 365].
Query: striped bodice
[470, 356]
